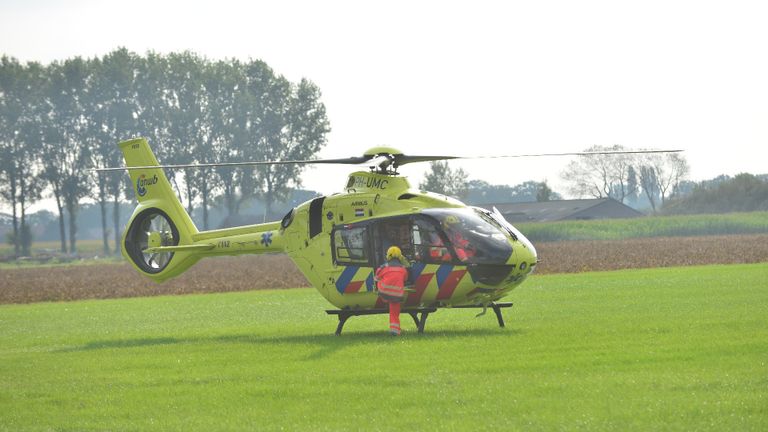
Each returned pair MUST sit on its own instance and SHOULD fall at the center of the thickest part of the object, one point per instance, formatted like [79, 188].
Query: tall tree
[69, 139]
[599, 176]
[544, 193]
[223, 82]
[22, 111]
[443, 179]
[30, 134]
[186, 103]
[152, 93]
[235, 134]
[114, 119]
[10, 113]
[632, 185]
[283, 122]
[660, 175]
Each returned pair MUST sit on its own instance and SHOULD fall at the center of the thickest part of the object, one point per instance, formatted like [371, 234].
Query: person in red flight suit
[390, 281]
[464, 250]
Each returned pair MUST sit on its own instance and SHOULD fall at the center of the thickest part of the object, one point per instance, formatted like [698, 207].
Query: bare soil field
[74, 282]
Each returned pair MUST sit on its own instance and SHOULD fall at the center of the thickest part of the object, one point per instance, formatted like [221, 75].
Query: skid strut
[419, 315]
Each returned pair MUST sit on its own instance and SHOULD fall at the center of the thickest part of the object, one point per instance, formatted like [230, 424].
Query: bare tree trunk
[116, 222]
[190, 207]
[16, 243]
[229, 197]
[62, 231]
[205, 206]
[651, 198]
[72, 212]
[104, 233]
[24, 230]
[176, 186]
[268, 200]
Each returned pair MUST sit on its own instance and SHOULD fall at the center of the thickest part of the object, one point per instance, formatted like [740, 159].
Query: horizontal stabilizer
[181, 248]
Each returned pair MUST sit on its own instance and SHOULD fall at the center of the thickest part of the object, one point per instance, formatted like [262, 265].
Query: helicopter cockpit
[459, 236]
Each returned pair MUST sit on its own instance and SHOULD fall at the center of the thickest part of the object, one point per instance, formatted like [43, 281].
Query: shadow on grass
[326, 343]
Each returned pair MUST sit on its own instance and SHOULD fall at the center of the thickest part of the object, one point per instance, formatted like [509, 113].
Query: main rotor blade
[403, 159]
[606, 152]
[406, 159]
[398, 160]
[347, 161]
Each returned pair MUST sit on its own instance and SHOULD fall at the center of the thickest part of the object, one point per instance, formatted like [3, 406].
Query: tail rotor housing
[151, 228]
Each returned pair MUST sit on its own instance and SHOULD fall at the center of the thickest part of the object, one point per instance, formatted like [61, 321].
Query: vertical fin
[152, 187]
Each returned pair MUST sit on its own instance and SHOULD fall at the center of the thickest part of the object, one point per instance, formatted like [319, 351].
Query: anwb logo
[142, 182]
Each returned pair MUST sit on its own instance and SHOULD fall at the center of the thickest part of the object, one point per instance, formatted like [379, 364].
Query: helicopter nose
[526, 255]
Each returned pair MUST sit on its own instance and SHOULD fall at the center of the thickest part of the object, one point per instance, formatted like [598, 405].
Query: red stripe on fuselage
[450, 284]
[353, 287]
[420, 286]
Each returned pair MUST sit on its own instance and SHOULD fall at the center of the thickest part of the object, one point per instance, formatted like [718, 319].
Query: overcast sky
[467, 78]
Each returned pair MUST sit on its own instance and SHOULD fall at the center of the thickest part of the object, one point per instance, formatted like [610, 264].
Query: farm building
[549, 211]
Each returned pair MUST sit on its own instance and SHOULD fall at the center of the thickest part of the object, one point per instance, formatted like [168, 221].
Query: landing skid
[420, 321]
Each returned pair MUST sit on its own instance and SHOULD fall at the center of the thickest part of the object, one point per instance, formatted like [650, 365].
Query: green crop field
[652, 226]
[84, 247]
[661, 349]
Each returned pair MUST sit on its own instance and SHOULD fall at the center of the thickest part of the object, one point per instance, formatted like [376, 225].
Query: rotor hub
[383, 160]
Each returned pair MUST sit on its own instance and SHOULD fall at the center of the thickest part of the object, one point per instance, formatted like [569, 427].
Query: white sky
[469, 77]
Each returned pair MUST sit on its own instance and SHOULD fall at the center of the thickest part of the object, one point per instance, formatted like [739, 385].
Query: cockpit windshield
[475, 237]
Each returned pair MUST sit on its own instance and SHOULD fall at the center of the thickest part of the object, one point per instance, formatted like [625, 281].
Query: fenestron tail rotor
[152, 228]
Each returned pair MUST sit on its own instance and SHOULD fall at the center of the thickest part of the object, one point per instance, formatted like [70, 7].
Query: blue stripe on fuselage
[442, 273]
[345, 278]
[415, 271]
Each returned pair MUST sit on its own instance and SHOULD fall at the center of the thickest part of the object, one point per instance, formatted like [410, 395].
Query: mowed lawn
[661, 349]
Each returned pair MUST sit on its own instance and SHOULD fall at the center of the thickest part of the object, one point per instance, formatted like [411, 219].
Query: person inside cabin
[464, 250]
[393, 237]
[390, 283]
[437, 248]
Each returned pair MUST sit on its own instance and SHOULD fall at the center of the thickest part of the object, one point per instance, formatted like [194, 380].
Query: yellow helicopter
[459, 256]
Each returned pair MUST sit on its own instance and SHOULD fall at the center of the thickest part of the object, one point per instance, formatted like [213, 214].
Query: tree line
[724, 194]
[58, 121]
[655, 177]
[441, 178]
[652, 177]
[654, 181]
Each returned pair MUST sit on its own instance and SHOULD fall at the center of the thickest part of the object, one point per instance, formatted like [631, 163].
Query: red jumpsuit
[463, 250]
[391, 279]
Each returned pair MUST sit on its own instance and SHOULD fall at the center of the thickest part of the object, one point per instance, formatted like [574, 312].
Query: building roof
[580, 209]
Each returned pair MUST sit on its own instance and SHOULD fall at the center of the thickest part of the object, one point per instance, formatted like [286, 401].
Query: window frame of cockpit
[366, 249]
[490, 247]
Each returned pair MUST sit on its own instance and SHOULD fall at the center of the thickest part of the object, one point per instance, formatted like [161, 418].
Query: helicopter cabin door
[396, 231]
[353, 255]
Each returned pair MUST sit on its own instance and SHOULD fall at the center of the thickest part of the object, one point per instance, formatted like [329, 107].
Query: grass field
[661, 349]
[652, 226]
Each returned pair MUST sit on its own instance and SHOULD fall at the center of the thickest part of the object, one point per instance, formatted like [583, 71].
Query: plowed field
[26, 285]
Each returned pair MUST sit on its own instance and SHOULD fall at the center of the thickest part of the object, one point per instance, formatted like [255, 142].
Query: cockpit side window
[474, 237]
[351, 245]
[430, 245]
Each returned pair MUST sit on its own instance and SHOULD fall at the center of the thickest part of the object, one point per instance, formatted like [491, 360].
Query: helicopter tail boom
[161, 240]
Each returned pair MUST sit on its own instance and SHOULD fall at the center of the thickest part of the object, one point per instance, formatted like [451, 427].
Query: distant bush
[24, 240]
[743, 193]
